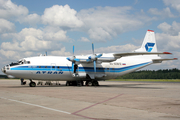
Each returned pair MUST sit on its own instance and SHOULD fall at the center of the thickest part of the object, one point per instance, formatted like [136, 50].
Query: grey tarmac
[109, 101]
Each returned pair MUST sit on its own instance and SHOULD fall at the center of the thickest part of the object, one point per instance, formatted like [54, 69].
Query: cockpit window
[13, 64]
[22, 61]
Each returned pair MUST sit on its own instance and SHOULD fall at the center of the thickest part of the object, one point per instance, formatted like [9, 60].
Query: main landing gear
[92, 83]
[74, 83]
[81, 83]
[32, 84]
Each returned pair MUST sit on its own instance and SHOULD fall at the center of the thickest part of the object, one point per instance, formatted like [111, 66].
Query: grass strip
[148, 80]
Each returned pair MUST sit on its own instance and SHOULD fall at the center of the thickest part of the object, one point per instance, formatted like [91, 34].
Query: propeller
[72, 59]
[94, 57]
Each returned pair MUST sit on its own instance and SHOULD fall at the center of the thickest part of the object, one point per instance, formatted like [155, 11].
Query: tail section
[149, 43]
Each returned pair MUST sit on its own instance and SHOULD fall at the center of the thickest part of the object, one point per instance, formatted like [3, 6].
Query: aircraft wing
[119, 55]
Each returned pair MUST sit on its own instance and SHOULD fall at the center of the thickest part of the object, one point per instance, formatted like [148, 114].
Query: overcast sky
[31, 27]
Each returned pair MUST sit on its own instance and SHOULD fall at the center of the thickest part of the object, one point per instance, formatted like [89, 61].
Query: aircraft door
[107, 70]
[111, 69]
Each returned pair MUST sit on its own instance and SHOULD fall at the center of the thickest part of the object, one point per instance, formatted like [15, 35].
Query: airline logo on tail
[149, 46]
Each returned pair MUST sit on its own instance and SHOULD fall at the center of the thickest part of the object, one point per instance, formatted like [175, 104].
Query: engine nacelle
[71, 58]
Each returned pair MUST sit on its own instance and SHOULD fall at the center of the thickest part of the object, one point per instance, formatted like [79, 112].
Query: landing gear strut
[23, 82]
[32, 84]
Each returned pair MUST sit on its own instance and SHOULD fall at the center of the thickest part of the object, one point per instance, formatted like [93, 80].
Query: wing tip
[175, 58]
[167, 53]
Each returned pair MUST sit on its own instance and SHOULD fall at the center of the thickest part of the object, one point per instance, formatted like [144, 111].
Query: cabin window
[28, 62]
[45, 66]
[58, 67]
[53, 66]
[39, 66]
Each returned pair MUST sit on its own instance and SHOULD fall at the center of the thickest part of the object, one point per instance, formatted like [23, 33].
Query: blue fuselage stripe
[80, 69]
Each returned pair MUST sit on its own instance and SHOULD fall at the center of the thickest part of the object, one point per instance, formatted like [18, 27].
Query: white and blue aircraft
[90, 68]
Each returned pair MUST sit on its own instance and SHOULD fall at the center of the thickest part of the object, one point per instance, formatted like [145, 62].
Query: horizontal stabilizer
[160, 60]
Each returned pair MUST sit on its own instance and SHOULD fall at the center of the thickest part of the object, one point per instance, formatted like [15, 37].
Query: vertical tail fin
[149, 43]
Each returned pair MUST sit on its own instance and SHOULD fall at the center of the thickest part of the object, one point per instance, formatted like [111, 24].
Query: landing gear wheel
[32, 84]
[89, 83]
[95, 83]
[79, 83]
[92, 83]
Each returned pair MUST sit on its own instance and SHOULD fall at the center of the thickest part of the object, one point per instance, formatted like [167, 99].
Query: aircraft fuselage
[54, 68]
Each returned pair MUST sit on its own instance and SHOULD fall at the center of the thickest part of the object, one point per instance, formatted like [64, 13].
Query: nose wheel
[32, 84]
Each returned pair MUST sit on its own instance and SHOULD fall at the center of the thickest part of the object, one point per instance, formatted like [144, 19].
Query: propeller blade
[94, 66]
[73, 50]
[93, 48]
[73, 61]
[98, 56]
[68, 58]
[72, 67]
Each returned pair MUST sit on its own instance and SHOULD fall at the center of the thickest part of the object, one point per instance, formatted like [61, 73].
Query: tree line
[152, 74]
[3, 77]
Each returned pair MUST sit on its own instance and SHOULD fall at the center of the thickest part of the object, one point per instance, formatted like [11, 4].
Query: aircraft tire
[32, 84]
[95, 83]
[89, 83]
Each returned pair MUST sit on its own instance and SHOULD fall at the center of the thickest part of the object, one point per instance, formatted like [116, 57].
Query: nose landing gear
[23, 82]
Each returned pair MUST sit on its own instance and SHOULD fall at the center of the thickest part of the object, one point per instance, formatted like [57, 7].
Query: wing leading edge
[119, 55]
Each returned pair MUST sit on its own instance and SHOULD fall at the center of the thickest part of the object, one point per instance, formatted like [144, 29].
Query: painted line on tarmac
[74, 113]
[96, 104]
[85, 116]
[46, 108]
[36, 105]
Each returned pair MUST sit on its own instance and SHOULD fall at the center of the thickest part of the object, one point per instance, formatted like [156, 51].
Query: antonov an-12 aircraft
[90, 68]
